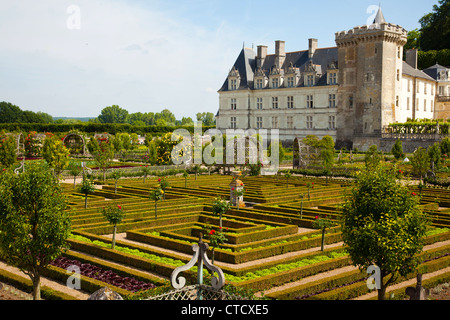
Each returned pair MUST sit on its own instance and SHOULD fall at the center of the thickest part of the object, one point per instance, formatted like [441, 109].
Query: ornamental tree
[114, 214]
[86, 187]
[104, 155]
[420, 162]
[8, 154]
[220, 207]
[156, 195]
[383, 225]
[216, 238]
[34, 224]
[55, 153]
[322, 224]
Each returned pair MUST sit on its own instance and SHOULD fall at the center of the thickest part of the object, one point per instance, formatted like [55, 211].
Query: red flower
[242, 184]
[212, 231]
[159, 180]
[120, 207]
[317, 217]
[414, 194]
[232, 188]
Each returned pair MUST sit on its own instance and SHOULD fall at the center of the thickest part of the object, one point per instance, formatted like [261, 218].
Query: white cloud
[141, 59]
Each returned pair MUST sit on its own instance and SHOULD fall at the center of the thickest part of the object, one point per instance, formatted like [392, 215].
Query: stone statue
[419, 292]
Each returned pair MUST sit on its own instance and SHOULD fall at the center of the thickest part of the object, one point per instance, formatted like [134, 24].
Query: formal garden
[127, 218]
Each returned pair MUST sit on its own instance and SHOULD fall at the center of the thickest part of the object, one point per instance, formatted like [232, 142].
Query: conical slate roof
[379, 18]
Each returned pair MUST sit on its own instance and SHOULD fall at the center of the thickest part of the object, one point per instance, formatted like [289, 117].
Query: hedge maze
[271, 246]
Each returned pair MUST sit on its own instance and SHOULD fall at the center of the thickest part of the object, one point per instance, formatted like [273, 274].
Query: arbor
[55, 154]
[383, 225]
[34, 225]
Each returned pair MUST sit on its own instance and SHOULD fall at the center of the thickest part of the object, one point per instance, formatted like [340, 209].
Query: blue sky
[73, 58]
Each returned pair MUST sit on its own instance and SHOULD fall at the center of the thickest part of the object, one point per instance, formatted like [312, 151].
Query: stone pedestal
[236, 185]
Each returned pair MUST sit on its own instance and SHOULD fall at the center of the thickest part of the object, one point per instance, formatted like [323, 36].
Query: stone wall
[409, 145]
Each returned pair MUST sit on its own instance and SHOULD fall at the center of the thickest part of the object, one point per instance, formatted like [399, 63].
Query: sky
[74, 58]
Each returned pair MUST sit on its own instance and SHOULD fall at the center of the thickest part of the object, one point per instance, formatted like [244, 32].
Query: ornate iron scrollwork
[199, 256]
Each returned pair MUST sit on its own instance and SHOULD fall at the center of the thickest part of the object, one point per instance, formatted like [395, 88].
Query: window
[274, 102]
[290, 82]
[432, 106]
[331, 122]
[310, 80]
[233, 84]
[275, 83]
[418, 87]
[409, 85]
[233, 122]
[259, 83]
[233, 103]
[441, 90]
[396, 101]
[290, 102]
[399, 53]
[425, 88]
[398, 74]
[332, 101]
[290, 122]
[274, 122]
[432, 90]
[259, 123]
[309, 122]
[417, 104]
[350, 101]
[332, 78]
[259, 103]
[407, 103]
[424, 105]
[309, 101]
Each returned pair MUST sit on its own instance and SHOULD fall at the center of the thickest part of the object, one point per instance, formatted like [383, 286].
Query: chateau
[351, 92]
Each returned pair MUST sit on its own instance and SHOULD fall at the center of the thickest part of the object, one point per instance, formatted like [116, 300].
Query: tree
[383, 225]
[75, 169]
[86, 187]
[34, 224]
[156, 195]
[104, 155]
[187, 121]
[114, 214]
[113, 114]
[435, 28]
[116, 175]
[322, 224]
[220, 207]
[413, 39]
[434, 154]
[397, 150]
[207, 118]
[445, 146]
[10, 113]
[55, 153]
[420, 162]
[372, 157]
[8, 147]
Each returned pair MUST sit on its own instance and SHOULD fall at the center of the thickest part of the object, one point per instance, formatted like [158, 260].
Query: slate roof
[410, 71]
[433, 71]
[246, 64]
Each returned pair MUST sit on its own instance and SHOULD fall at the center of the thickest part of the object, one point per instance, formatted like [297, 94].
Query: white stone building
[350, 92]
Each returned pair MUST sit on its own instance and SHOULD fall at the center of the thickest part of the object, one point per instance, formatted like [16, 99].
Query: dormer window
[291, 74]
[234, 79]
[275, 78]
[312, 73]
[332, 78]
[260, 79]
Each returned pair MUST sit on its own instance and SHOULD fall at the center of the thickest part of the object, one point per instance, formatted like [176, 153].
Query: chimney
[262, 53]
[411, 57]
[280, 54]
[312, 47]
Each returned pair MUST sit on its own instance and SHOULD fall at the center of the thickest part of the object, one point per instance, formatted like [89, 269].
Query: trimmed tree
[397, 150]
[114, 214]
[34, 224]
[55, 153]
[420, 162]
[8, 154]
[383, 225]
[156, 195]
[86, 187]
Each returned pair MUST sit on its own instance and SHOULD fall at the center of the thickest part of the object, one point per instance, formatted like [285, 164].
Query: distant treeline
[89, 127]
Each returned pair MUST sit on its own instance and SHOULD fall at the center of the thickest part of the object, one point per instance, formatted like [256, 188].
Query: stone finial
[105, 294]
[419, 292]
